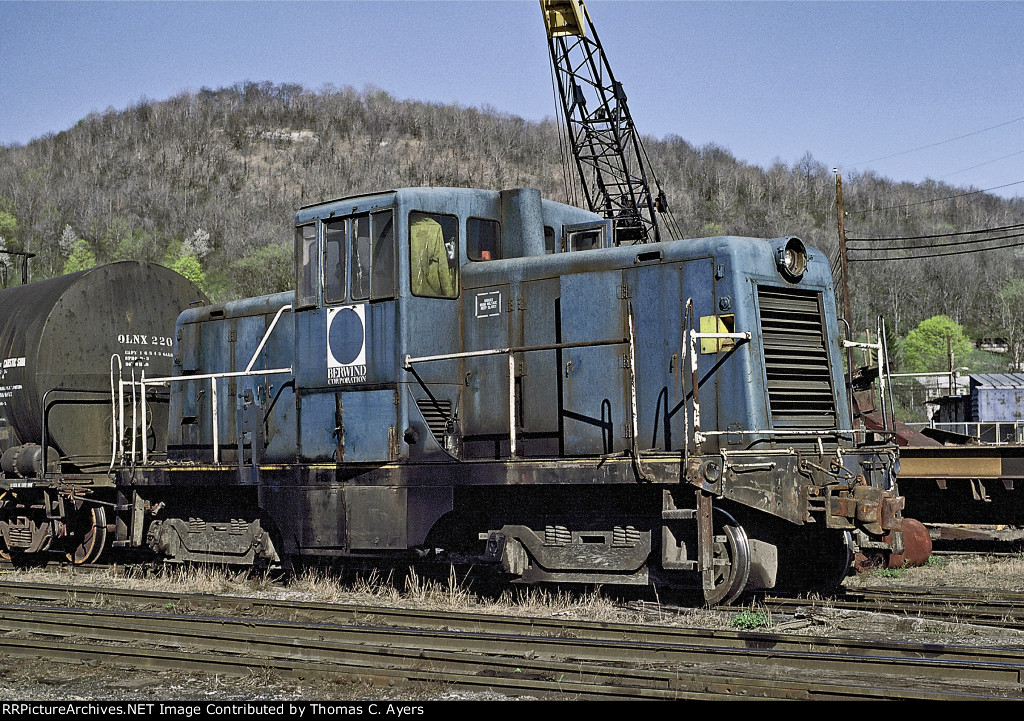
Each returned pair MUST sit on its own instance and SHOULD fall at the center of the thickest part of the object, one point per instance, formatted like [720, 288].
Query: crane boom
[610, 157]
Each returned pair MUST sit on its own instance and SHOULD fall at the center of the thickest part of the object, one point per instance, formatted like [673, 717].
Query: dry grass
[455, 593]
[408, 589]
[1003, 573]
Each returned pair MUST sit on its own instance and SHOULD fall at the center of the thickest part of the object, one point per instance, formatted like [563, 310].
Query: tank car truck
[58, 339]
[483, 377]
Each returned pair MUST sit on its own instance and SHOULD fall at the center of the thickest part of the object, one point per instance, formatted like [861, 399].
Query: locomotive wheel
[88, 535]
[732, 561]
[837, 563]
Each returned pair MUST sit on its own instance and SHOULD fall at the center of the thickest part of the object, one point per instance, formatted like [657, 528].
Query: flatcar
[485, 377]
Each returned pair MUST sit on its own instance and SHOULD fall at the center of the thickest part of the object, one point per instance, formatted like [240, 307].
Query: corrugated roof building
[997, 397]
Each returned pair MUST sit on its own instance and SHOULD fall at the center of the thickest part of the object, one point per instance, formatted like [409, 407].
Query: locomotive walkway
[549, 658]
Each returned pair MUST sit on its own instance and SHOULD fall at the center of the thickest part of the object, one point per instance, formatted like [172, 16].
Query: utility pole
[842, 247]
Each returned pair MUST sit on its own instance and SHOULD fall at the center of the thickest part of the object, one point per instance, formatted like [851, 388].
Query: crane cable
[571, 191]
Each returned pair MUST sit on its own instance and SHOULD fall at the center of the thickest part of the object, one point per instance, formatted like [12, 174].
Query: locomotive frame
[470, 376]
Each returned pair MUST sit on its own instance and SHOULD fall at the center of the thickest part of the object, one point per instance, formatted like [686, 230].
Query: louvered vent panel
[796, 360]
[436, 414]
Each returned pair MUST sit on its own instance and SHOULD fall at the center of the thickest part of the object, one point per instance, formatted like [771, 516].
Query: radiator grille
[796, 360]
[436, 415]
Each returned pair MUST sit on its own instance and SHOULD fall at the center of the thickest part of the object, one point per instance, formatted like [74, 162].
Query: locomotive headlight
[792, 259]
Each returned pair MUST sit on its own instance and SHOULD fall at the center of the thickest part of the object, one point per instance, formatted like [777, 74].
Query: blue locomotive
[485, 377]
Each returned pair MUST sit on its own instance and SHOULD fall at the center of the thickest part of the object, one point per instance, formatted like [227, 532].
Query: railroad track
[514, 656]
[975, 607]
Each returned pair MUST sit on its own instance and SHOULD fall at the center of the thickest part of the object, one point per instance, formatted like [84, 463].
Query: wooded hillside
[209, 182]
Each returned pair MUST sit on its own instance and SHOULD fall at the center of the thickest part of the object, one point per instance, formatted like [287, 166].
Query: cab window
[434, 255]
[360, 287]
[483, 239]
[335, 252]
[382, 284]
[549, 239]
[307, 272]
[587, 239]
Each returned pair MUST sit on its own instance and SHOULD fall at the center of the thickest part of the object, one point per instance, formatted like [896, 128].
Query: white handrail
[138, 390]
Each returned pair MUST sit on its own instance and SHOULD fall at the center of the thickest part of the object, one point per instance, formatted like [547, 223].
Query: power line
[987, 162]
[919, 256]
[1013, 226]
[937, 200]
[952, 243]
[941, 142]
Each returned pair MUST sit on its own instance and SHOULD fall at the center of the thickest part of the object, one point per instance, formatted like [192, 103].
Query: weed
[749, 619]
[889, 572]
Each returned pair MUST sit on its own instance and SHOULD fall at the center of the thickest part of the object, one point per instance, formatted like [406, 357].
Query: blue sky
[859, 85]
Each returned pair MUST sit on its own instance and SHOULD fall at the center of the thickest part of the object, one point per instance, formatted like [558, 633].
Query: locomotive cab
[380, 280]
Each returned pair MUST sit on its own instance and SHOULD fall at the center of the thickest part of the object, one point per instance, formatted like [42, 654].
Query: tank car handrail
[45, 440]
[116, 401]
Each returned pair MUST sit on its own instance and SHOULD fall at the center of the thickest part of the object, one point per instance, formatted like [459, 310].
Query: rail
[138, 393]
[493, 653]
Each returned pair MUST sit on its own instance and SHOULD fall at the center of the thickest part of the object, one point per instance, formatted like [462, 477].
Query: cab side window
[360, 288]
[587, 239]
[483, 239]
[434, 255]
[549, 239]
[307, 270]
[382, 284]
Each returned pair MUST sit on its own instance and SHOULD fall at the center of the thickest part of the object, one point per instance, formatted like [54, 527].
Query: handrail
[144, 382]
[511, 351]
[690, 338]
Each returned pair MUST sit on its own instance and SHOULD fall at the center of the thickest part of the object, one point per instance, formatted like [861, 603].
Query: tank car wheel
[5, 552]
[32, 534]
[732, 561]
[88, 535]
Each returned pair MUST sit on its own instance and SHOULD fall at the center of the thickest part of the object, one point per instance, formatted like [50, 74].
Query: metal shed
[997, 397]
